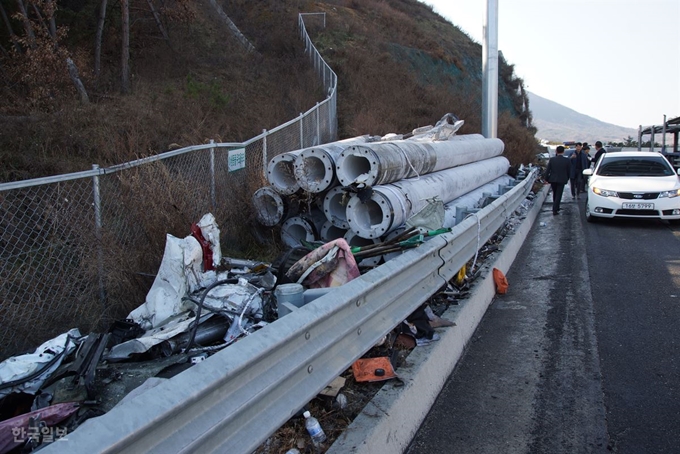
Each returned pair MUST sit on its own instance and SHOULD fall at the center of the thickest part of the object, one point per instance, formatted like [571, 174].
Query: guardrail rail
[235, 399]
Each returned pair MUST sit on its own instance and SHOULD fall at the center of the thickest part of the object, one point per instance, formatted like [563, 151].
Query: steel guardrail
[235, 399]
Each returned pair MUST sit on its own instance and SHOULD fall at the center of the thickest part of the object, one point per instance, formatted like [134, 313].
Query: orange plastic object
[365, 369]
[501, 281]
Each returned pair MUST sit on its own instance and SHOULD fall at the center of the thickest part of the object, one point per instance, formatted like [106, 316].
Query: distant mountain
[558, 123]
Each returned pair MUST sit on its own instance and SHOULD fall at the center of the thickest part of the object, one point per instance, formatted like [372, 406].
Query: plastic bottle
[314, 429]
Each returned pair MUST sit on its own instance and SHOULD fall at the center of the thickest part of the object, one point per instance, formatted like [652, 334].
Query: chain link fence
[82, 249]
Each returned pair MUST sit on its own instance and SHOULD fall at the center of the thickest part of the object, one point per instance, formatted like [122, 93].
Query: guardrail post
[98, 233]
[212, 176]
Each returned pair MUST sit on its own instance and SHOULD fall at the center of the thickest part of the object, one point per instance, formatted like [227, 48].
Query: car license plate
[638, 206]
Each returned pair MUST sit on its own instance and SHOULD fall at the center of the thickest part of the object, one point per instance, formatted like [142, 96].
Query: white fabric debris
[178, 275]
[211, 232]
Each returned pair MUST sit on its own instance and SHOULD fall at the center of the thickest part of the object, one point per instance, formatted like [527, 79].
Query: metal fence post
[212, 176]
[329, 129]
[302, 140]
[98, 232]
[318, 126]
[265, 161]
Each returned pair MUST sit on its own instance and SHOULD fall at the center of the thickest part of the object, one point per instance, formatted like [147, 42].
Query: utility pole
[490, 71]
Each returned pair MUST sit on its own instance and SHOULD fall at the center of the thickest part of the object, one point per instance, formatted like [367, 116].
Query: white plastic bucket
[288, 298]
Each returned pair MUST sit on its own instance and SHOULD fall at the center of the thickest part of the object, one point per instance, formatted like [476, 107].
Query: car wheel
[589, 216]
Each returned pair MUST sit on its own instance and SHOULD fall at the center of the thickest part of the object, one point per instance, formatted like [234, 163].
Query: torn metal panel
[27, 373]
[179, 325]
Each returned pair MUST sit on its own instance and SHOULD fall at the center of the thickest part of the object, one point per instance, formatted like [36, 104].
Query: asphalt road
[580, 356]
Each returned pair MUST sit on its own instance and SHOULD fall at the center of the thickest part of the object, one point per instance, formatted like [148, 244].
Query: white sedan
[633, 184]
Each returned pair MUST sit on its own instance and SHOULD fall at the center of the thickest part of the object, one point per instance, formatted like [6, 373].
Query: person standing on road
[557, 174]
[599, 152]
[586, 151]
[578, 161]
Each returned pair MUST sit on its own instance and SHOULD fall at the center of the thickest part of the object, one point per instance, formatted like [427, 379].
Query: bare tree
[51, 8]
[27, 23]
[10, 31]
[125, 58]
[157, 17]
[73, 73]
[52, 33]
[98, 39]
[232, 27]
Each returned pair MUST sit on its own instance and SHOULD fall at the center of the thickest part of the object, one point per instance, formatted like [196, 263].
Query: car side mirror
[587, 172]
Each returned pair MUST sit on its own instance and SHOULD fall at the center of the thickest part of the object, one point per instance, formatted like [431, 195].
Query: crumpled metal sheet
[234, 298]
[154, 337]
[16, 367]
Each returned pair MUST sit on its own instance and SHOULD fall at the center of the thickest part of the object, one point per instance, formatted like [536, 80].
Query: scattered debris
[200, 303]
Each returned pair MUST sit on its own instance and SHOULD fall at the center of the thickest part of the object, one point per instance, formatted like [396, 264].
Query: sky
[615, 60]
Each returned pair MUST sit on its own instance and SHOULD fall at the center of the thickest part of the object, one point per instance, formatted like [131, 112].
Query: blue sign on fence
[237, 159]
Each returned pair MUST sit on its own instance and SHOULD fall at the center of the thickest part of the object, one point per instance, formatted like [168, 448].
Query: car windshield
[635, 167]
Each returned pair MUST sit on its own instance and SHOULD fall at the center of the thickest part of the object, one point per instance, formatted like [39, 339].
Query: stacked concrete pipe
[335, 207]
[371, 164]
[281, 173]
[330, 232]
[391, 205]
[314, 167]
[271, 208]
[303, 227]
[468, 202]
[283, 169]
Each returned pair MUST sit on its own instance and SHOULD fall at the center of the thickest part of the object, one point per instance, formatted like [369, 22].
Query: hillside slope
[400, 66]
[558, 123]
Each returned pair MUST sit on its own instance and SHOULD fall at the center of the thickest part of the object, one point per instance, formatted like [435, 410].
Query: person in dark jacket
[579, 161]
[557, 174]
[599, 152]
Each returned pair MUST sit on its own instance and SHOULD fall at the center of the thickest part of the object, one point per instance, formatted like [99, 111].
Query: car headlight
[669, 194]
[605, 192]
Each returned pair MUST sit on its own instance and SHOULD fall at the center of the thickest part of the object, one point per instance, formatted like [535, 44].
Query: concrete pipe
[372, 164]
[335, 205]
[330, 232]
[271, 208]
[303, 227]
[472, 200]
[391, 205]
[315, 166]
[281, 173]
